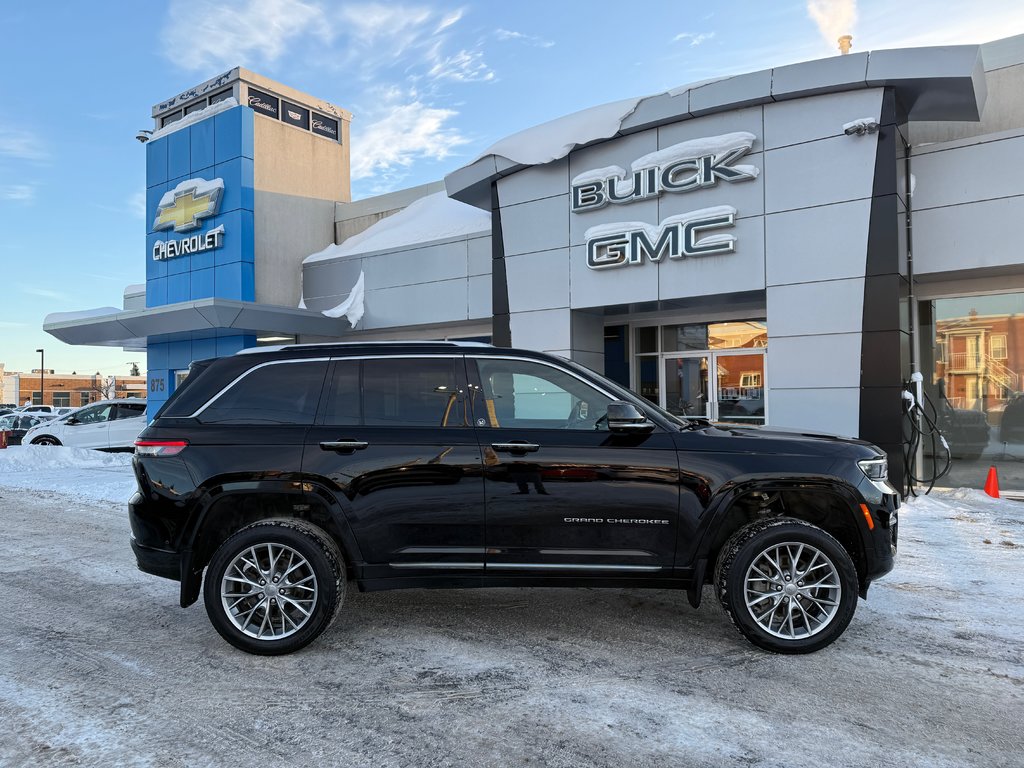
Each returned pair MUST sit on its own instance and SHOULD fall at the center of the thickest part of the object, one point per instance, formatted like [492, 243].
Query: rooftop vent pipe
[845, 43]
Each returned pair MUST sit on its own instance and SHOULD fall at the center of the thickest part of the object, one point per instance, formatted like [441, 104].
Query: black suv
[282, 472]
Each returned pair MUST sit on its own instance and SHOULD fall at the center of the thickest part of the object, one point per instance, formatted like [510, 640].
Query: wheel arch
[828, 503]
[228, 507]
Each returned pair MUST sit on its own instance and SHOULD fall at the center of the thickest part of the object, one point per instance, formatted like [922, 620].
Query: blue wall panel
[202, 139]
[179, 154]
[202, 283]
[156, 161]
[179, 287]
[229, 345]
[156, 292]
[204, 349]
[159, 382]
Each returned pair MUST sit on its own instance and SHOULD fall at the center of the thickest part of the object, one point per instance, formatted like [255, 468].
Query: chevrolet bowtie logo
[185, 206]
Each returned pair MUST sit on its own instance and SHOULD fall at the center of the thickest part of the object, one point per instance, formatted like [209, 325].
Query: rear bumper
[157, 562]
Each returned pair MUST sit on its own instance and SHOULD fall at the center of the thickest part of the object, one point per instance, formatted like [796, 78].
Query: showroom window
[703, 370]
[61, 399]
[976, 387]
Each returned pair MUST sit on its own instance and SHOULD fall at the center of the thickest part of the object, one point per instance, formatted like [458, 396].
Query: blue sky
[430, 85]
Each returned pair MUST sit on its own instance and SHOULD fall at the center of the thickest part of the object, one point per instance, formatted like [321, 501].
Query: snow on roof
[556, 138]
[434, 217]
[82, 314]
[195, 117]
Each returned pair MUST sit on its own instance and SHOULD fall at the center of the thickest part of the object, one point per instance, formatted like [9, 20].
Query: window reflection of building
[979, 358]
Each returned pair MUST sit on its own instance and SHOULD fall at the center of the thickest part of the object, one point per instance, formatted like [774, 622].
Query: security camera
[143, 135]
[860, 127]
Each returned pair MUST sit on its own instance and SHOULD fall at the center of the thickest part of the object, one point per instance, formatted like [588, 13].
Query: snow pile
[76, 472]
[195, 117]
[352, 307]
[434, 217]
[556, 138]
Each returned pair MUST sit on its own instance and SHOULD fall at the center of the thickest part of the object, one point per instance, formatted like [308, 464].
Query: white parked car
[108, 425]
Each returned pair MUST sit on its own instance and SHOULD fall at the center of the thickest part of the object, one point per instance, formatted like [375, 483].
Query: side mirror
[72, 421]
[624, 417]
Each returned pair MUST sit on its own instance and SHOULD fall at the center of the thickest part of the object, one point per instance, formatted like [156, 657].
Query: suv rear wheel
[787, 585]
[274, 586]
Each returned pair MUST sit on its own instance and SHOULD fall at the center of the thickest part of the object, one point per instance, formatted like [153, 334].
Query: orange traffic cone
[992, 483]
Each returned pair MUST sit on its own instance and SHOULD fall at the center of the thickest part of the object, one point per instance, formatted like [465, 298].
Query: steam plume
[833, 17]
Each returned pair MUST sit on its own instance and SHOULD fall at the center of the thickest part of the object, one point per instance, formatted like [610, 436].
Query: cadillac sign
[685, 167]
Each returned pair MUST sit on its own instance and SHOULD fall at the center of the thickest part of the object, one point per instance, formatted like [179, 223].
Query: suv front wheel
[274, 586]
[787, 585]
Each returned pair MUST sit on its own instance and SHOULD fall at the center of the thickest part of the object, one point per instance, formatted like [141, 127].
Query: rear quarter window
[272, 393]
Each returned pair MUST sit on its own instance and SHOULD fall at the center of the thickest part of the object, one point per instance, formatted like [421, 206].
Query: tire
[46, 440]
[243, 601]
[771, 605]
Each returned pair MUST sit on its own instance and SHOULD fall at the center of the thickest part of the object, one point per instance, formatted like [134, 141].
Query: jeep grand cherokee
[284, 472]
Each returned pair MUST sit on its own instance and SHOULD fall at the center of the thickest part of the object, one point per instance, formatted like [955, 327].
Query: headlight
[875, 469]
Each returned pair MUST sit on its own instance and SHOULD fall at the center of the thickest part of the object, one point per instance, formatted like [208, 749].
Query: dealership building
[782, 247]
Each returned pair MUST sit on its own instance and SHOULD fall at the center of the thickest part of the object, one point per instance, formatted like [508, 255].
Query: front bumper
[882, 537]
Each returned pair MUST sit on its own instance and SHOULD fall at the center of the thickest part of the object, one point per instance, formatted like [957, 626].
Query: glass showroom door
[739, 386]
[722, 386]
[686, 387]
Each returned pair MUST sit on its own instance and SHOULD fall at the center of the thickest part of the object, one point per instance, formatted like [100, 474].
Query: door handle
[516, 446]
[343, 446]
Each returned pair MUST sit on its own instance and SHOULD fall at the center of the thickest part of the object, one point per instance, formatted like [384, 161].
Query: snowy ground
[99, 666]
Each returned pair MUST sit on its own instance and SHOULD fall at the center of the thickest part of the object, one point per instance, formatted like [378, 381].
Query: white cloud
[20, 145]
[448, 20]
[694, 38]
[44, 293]
[136, 204]
[402, 135]
[833, 17]
[368, 23]
[213, 34]
[462, 67]
[507, 34]
[20, 192]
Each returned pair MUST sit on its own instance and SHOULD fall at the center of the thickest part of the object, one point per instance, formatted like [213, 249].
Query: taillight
[159, 447]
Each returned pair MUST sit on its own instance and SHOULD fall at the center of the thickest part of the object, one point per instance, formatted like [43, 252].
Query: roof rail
[321, 345]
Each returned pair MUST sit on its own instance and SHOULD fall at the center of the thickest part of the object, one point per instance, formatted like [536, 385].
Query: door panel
[90, 429]
[393, 446]
[562, 492]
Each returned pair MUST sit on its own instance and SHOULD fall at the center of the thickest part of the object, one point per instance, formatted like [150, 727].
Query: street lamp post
[42, 367]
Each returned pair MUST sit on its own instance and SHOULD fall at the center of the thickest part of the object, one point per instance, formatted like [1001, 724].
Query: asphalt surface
[98, 666]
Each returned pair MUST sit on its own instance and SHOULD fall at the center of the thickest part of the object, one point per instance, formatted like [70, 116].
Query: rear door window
[396, 392]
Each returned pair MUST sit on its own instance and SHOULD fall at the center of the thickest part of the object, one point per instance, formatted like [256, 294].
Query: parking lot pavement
[100, 667]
